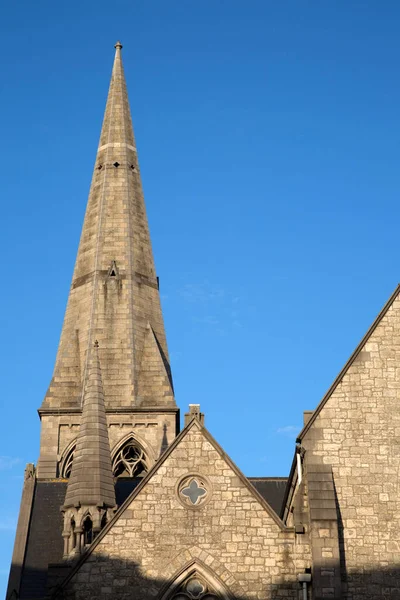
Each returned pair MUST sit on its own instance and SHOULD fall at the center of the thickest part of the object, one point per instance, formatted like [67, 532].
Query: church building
[123, 505]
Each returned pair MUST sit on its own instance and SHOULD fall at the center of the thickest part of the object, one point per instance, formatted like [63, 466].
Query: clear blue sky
[268, 136]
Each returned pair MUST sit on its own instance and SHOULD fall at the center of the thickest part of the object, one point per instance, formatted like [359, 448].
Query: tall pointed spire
[91, 482]
[114, 292]
[90, 496]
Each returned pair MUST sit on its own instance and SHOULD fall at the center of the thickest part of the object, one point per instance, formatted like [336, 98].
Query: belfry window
[87, 531]
[130, 461]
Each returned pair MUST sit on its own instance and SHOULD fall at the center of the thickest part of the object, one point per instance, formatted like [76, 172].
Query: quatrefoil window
[193, 490]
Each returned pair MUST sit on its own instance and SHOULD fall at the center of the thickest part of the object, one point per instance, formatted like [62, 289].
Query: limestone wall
[231, 533]
[154, 432]
[358, 433]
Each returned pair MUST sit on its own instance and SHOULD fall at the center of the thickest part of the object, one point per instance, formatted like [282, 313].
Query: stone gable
[155, 534]
[357, 432]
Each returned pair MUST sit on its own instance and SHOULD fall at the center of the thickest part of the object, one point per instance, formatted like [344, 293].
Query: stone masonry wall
[358, 433]
[155, 431]
[232, 533]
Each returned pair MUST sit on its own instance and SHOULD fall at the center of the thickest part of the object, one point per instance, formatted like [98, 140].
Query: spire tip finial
[118, 46]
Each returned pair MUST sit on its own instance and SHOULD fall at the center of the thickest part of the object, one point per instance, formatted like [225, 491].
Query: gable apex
[194, 424]
[349, 363]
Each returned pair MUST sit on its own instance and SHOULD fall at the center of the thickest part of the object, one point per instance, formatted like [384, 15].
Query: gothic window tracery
[195, 588]
[194, 490]
[67, 464]
[130, 460]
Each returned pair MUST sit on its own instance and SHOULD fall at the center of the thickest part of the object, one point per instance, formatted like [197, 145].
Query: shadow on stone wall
[103, 578]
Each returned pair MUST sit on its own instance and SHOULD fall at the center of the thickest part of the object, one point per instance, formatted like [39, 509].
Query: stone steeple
[114, 299]
[90, 496]
[114, 293]
[91, 482]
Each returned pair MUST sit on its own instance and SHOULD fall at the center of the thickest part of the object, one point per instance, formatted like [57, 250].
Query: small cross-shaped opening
[100, 167]
[116, 164]
[133, 167]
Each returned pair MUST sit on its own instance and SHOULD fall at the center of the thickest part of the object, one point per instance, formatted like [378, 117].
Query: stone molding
[196, 566]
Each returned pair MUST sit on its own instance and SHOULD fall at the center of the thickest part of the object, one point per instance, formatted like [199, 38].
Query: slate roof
[45, 543]
[272, 489]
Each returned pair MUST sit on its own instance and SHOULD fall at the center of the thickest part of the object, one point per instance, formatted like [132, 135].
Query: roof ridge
[268, 478]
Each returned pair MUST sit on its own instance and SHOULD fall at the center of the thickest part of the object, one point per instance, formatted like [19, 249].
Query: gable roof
[349, 363]
[193, 423]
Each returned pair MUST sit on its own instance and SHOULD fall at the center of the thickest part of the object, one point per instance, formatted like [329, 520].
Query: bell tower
[114, 299]
[109, 411]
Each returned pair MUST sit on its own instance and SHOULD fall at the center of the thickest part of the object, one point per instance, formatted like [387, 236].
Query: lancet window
[87, 531]
[66, 465]
[130, 460]
[73, 535]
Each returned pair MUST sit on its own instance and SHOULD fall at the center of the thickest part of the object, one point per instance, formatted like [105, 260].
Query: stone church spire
[90, 492]
[114, 293]
[91, 482]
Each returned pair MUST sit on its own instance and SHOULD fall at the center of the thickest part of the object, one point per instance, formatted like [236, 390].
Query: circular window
[193, 490]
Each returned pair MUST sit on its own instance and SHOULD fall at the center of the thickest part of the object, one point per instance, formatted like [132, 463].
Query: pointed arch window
[195, 588]
[130, 460]
[66, 464]
[73, 534]
[196, 581]
[87, 531]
